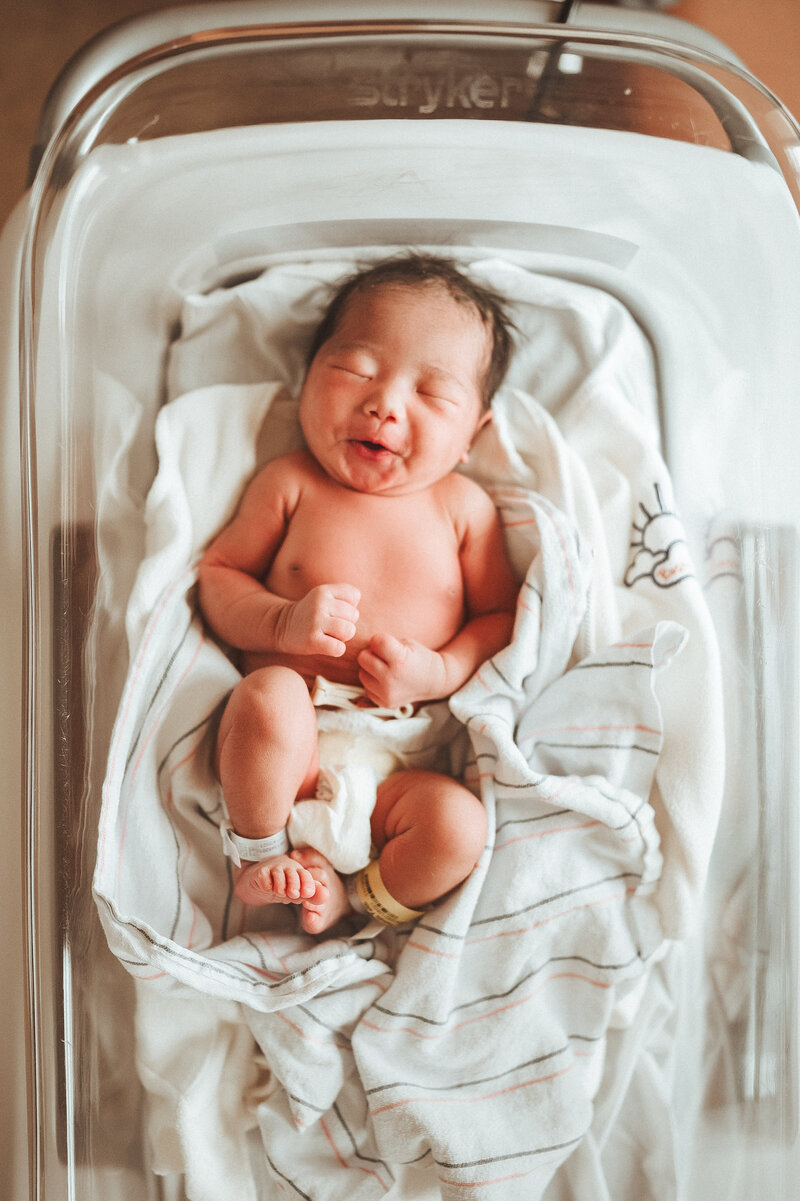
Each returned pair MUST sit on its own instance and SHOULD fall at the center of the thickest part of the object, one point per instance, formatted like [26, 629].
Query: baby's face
[392, 401]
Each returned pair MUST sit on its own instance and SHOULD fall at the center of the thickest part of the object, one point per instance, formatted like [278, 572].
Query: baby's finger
[347, 593]
[372, 688]
[371, 665]
[324, 644]
[387, 649]
[340, 629]
[341, 610]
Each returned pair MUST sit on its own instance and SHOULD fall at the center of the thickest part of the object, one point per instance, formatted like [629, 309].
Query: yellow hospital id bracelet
[377, 901]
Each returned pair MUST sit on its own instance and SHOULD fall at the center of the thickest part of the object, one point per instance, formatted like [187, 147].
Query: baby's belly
[341, 670]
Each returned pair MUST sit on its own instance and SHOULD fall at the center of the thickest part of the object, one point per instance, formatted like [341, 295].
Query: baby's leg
[266, 757]
[430, 832]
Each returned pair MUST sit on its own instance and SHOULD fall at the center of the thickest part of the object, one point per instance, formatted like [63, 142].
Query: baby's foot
[330, 902]
[280, 879]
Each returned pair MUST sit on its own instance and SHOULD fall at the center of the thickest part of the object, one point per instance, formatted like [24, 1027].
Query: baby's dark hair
[415, 270]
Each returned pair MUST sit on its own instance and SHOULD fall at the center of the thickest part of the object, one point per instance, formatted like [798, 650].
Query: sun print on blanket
[659, 550]
[723, 557]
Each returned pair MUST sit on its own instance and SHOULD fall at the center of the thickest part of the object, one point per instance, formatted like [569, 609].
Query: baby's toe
[312, 921]
[309, 858]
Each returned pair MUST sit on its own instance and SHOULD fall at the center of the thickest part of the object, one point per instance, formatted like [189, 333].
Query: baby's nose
[387, 400]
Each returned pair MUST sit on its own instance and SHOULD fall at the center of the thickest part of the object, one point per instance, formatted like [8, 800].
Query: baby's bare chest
[401, 553]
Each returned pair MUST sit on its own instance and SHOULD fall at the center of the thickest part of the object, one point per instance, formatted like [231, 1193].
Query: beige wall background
[39, 36]
[764, 33]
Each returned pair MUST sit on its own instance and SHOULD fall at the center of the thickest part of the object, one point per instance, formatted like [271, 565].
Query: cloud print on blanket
[467, 1047]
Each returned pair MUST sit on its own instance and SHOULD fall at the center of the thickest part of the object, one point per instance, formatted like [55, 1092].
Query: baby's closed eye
[354, 361]
[442, 390]
[437, 399]
[351, 371]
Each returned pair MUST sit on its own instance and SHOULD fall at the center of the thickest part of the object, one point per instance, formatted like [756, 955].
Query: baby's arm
[235, 602]
[395, 672]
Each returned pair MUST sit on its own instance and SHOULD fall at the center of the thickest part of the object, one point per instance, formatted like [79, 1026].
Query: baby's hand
[395, 672]
[321, 623]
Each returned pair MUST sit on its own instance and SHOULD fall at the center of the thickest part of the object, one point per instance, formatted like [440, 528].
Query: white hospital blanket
[469, 1046]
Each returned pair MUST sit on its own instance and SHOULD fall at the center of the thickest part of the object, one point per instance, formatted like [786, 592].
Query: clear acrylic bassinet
[642, 174]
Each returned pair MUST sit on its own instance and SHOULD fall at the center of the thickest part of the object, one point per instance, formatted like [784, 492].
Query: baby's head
[424, 271]
[401, 374]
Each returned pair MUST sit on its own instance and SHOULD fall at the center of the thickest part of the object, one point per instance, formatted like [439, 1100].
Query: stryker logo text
[427, 94]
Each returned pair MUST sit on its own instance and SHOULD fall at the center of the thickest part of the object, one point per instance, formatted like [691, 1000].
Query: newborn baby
[365, 559]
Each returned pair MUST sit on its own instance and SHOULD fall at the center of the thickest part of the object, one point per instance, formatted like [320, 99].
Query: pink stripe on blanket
[482, 1017]
[145, 744]
[139, 663]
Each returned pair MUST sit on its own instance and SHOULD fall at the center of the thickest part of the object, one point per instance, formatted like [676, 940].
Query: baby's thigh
[432, 809]
[270, 705]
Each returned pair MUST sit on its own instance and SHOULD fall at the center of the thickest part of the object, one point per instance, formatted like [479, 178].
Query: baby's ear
[484, 420]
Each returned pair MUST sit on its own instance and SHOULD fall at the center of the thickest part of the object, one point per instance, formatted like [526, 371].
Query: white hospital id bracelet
[252, 849]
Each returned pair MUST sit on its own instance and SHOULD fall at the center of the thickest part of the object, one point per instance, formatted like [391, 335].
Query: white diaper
[358, 749]
[328, 694]
[337, 822]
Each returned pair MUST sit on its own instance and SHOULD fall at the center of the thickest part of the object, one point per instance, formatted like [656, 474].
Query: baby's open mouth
[373, 448]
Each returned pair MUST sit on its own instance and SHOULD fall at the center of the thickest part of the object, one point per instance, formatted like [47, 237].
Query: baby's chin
[379, 472]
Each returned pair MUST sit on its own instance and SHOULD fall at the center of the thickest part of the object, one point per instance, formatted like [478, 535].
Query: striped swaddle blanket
[461, 1053]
